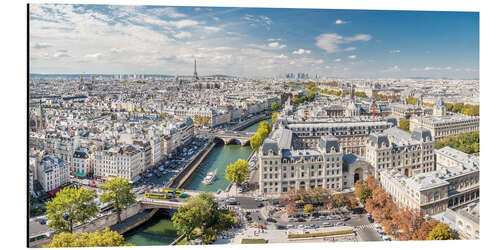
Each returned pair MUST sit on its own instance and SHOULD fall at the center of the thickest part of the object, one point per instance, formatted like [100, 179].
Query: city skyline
[109, 39]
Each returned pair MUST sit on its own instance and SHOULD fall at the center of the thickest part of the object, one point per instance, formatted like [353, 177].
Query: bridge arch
[218, 140]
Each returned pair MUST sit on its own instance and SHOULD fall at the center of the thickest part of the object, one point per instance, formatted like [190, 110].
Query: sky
[253, 42]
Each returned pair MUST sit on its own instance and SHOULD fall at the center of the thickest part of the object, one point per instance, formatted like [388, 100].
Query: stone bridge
[230, 136]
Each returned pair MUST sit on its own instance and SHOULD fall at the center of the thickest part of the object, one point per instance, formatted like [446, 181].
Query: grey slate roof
[270, 145]
[328, 143]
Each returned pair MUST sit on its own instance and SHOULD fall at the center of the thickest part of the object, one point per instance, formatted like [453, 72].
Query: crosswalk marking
[366, 226]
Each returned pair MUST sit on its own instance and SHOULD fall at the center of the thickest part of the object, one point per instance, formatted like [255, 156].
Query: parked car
[260, 205]
[333, 217]
[327, 224]
[301, 219]
[385, 238]
[271, 220]
[314, 219]
[340, 224]
[322, 218]
[292, 220]
[290, 226]
[260, 199]
[280, 227]
[301, 226]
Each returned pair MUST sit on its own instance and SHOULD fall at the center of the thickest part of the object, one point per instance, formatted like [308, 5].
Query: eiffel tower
[195, 74]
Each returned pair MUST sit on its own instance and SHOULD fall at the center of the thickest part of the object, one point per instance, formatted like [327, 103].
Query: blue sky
[252, 41]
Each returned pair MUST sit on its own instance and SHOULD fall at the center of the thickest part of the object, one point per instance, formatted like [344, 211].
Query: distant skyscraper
[195, 74]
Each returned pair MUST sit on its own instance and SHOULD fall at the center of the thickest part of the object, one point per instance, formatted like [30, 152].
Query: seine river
[159, 229]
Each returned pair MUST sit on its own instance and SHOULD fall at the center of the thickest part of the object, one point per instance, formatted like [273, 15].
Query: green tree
[265, 125]
[441, 232]
[405, 125]
[340, 200]
[256, 141]
[104, 238]
[237, 172]
[119, 193]
[267, 88]
[201, 214]
[274, 117]
[70, 206]
[457, 107]
[275, 106]
[308, 208]
[311, 95]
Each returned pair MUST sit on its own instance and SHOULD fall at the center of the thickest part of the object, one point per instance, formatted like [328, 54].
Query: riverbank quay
[181, 178]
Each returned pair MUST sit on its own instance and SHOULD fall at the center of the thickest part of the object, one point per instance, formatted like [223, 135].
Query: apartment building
[52, 172]
[125, 162]
[409, 154]
[283, 167]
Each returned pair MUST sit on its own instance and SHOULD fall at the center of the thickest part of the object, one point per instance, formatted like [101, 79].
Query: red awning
[52, 193]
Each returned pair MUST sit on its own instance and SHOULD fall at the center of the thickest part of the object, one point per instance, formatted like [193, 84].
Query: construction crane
[373, 109]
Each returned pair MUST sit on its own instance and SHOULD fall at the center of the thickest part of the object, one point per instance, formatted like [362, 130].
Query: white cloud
[167, 11]
[395, 51]
[340, 21]
[394, 68]
[431, 68]
[276, 45]
[273, 39]
[93, 56]
[183, 23]
[352, 57]
[258, 20]
[281, 57]
[350, 48]
[330, 41]
[182, 35]
[358, 37]
[60, 54]
[41, 45]
[212, 28]
[338, 60]
[301, 51]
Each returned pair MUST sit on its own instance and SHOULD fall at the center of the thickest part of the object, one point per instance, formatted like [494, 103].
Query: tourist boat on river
[210, 178]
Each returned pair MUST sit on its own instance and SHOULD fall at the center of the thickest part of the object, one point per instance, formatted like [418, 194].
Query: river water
[159, 229]
[217, 160]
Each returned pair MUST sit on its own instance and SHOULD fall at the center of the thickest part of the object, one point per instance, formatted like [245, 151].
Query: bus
[158, 195]
[177, 193]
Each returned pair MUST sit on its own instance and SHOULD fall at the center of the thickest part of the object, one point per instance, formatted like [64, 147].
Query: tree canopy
[238, 171]
[201, 215]
[467, 142]
[70, 206]
[103, 238]
[405, 125]
[308, 208]
[274, 117]
[441, 232]
[119, 193]
[262, 132]
[275, 106]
